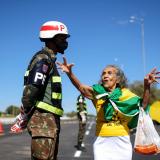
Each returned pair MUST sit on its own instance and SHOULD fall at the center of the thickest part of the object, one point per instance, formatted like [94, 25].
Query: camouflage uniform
[82, 117]
[43, 91]
[44, 129]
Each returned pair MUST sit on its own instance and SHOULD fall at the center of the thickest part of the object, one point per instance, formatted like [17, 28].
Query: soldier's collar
[50, 51]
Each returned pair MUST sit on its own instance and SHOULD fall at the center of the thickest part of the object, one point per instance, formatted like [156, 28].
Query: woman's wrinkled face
[109, 78]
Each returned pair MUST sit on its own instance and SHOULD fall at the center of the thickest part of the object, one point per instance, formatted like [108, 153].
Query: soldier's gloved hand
[20, 122]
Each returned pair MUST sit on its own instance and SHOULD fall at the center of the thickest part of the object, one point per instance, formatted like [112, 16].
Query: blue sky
[100, 32]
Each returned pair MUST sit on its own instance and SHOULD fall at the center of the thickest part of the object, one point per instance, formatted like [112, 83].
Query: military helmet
[52, 28]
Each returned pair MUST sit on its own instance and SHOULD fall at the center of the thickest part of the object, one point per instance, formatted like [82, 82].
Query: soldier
[82, 117]
[41, 102]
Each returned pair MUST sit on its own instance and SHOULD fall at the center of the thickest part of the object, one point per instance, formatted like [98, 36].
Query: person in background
[42, 95]
[117, 109]
[82, 117]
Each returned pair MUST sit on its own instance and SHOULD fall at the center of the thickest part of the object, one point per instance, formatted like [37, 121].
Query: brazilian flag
[123, 100]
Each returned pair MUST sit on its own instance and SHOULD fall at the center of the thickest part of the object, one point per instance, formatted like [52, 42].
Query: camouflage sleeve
[38, 75]
[30, 94]
[36, 82]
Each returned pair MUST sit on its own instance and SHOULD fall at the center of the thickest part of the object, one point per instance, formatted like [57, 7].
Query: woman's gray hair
[120, 75]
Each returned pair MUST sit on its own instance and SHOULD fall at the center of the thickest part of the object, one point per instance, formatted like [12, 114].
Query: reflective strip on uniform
[56, 79]
[50, 108]
[56, 95]
[26, 73]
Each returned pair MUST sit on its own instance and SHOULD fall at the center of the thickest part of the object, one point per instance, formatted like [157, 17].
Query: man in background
[82, 117]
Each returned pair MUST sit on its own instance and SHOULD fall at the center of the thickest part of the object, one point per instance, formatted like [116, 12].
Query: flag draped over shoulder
[123, 100]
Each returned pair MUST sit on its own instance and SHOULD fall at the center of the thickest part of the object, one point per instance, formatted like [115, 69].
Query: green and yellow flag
[123, 100]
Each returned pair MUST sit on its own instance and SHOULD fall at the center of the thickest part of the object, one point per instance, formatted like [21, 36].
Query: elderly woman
[117, 109]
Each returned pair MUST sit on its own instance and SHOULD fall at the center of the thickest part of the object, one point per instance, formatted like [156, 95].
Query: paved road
[17, 146]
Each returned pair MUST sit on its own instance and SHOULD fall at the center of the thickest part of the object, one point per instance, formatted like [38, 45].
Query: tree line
[136, 87]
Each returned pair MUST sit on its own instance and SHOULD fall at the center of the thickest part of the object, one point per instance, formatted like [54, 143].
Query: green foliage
[71, 114]
[137, 87]
[13, 110]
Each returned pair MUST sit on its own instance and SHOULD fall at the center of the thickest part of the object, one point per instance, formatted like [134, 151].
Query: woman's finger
[59, 63]
[153, 70]
[157, 77]
[156, 80]
[71, 65]
[64, 60]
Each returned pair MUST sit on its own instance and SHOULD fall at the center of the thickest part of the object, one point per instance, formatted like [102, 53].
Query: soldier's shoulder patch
[44, 68]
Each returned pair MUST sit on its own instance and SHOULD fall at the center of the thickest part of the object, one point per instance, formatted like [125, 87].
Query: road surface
[17, 146]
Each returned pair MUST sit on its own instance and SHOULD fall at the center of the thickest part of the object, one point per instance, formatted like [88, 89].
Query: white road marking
[24, 151]
[90, 125]
[89, 128]
[77, 154]
[87, 133]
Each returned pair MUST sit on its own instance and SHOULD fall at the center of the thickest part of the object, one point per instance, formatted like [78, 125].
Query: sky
[101, 34]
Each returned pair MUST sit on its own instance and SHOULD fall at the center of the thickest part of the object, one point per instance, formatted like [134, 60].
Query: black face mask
[61, 43]
[62, 46]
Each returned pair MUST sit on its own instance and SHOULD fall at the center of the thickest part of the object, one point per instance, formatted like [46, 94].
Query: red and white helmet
[51, 28]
